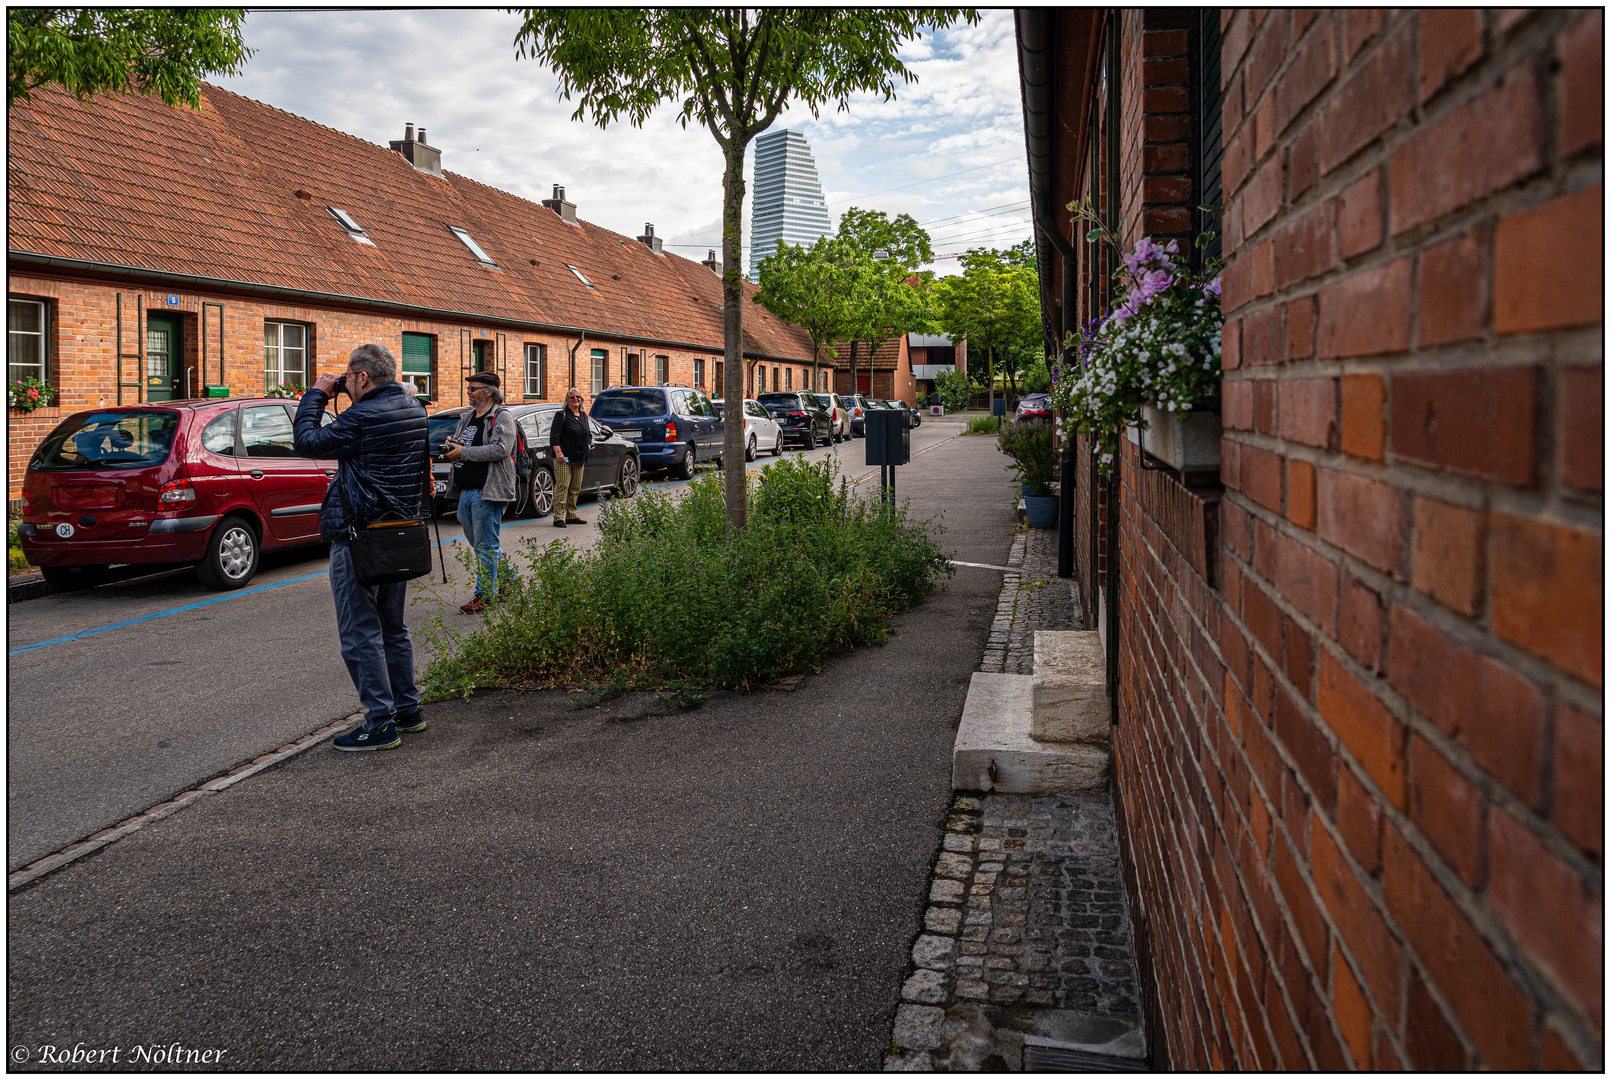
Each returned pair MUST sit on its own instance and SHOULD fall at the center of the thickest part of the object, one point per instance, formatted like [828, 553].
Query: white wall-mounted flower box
[1190, 445]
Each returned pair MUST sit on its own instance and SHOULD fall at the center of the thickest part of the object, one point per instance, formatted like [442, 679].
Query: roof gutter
[196, 282]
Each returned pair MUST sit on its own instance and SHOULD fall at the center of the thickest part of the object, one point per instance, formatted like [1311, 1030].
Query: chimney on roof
[650, 239]
[710, 261]
[566, 210]
[427, 159]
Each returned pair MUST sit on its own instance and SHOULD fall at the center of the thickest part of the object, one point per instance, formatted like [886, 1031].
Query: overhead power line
[987, 211]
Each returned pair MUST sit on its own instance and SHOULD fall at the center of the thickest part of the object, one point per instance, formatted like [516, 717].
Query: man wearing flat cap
[482, 450]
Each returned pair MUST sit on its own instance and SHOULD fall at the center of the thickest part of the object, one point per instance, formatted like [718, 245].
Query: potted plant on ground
[1152, 363]
[1029, 445]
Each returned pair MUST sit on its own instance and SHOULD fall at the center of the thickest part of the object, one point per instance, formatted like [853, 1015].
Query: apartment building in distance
[786, 203]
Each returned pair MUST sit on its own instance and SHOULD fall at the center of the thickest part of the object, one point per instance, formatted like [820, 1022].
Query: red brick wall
[83, 350]
[1362, 771]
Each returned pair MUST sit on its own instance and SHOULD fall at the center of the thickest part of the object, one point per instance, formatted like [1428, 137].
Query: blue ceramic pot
[1041, 511]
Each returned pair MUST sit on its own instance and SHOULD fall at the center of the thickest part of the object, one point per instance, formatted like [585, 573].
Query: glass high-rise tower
[787, 200]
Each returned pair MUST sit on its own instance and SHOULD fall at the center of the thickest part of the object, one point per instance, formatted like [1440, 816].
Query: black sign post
[889, 443]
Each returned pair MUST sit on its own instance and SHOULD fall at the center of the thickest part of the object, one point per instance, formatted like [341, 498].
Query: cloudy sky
[949, 150]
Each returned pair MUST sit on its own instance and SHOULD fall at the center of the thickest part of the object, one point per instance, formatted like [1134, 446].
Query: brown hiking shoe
[475, 606]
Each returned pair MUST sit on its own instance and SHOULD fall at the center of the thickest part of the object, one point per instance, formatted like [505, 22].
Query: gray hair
[374, 361]
[497, 395]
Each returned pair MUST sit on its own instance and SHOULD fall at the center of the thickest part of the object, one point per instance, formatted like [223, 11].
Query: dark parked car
[612, 466]
[211, 482]
[673, 427]
[1034, 407]
[913, 417]
[801, 416]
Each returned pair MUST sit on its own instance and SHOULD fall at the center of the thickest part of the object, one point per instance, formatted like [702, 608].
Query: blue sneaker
[410, 724]
[384, 737]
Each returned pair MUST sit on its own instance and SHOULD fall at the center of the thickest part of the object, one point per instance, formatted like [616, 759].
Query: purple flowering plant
[1160, 344]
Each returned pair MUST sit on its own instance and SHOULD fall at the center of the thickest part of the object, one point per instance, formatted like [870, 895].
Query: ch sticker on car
[64, 530]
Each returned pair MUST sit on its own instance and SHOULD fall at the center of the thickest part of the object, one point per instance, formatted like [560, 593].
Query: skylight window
[469, 241]
[354, 230]
[579, 276]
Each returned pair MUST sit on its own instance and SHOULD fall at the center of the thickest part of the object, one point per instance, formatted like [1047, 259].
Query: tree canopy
[164, 52]
[810, 287]
[732, 70]
[902, 240]
[995, 304]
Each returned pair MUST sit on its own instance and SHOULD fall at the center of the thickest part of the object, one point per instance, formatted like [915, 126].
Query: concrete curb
[40, 867]
[27, 587]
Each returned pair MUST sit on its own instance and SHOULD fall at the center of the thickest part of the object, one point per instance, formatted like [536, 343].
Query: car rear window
[109, 439]
[629, 404]
[791, 400]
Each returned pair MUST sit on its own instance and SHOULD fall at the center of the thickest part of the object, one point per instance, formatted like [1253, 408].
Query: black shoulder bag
[393, 549]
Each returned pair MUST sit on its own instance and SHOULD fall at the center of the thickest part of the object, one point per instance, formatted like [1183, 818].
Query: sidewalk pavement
[528, 885]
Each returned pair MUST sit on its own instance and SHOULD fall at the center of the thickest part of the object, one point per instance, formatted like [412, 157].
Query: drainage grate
[1060, 1059]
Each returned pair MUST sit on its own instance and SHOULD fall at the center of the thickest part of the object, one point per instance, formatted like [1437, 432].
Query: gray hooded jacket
[498, 452]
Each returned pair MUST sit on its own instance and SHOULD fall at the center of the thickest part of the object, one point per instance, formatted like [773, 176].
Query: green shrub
[669, 598]
[983, 425]
[1029, 444]
[955, 389]
[16, 561]
[1037, 378]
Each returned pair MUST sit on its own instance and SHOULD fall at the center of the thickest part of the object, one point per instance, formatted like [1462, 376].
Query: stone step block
[995, 732]
[1070, 696]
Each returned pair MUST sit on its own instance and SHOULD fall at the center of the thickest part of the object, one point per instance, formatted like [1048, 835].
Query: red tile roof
[129, 182]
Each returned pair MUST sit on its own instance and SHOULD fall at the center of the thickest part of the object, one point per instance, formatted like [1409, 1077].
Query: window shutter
[417, 354]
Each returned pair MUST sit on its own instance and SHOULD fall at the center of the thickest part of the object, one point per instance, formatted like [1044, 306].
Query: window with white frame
[534, 370]
[662, 375]
[788, 378]
[27, 340]
[599, 358]
[285, 354]
[699, 372]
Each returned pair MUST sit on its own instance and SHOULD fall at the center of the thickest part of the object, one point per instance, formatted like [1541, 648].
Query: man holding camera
[482, 450]
[380, 444]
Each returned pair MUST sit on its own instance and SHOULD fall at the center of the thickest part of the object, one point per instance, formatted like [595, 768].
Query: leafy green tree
[892, 298]
[1022, 254]
[994, 304]
[955, 390]
[1037, 377]
[732, 70]
[810, 287]
[164, 52]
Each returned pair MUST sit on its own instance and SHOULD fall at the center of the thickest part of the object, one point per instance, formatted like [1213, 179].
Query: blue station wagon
[674, 427]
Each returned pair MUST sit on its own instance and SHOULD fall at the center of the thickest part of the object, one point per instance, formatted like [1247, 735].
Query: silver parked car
[839, 411]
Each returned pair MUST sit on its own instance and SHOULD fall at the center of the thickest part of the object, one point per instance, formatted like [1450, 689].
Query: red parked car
[1034, 407]
[211, 482]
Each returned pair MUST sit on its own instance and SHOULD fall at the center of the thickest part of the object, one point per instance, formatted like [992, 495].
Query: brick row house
[1357, 667]
[160, 253]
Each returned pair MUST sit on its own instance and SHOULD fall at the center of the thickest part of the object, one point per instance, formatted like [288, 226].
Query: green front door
[164, 358]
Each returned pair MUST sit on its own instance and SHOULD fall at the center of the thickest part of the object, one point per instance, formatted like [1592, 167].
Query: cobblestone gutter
[1027, 938]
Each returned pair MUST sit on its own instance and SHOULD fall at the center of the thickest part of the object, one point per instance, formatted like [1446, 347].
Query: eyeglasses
[574, 397]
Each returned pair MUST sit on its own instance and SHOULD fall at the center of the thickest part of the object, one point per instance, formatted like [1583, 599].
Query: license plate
[441, 487]
[633, 435]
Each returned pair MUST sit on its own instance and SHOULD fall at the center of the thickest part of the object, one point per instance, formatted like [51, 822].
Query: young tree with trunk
[732, 70]
[164, 52]
[809, 287]
[994, 302]
[888, 254]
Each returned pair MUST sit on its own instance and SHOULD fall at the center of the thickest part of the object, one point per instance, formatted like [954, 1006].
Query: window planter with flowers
[286, 390]
[27, 395]
[1152, 363]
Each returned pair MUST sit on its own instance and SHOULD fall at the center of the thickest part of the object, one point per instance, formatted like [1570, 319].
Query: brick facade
[83, 350]
[1360, 699]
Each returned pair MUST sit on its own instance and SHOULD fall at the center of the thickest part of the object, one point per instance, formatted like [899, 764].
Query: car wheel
[231, 557]
[73, 578]
[542, 493]
[684, 468]
[626, 484]
[777, 446]
[749, 449]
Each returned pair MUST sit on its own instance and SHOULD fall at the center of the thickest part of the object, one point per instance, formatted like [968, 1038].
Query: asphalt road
[529, 885]
[104, 726]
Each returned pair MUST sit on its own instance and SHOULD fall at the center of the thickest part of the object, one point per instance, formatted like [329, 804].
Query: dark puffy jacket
[380, 443]
[572, 434]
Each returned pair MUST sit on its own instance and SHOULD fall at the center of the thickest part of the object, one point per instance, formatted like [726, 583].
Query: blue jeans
[375, 642]
[481, 521]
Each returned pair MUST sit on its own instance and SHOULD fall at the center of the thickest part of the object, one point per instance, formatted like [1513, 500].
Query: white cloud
[501, 121]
